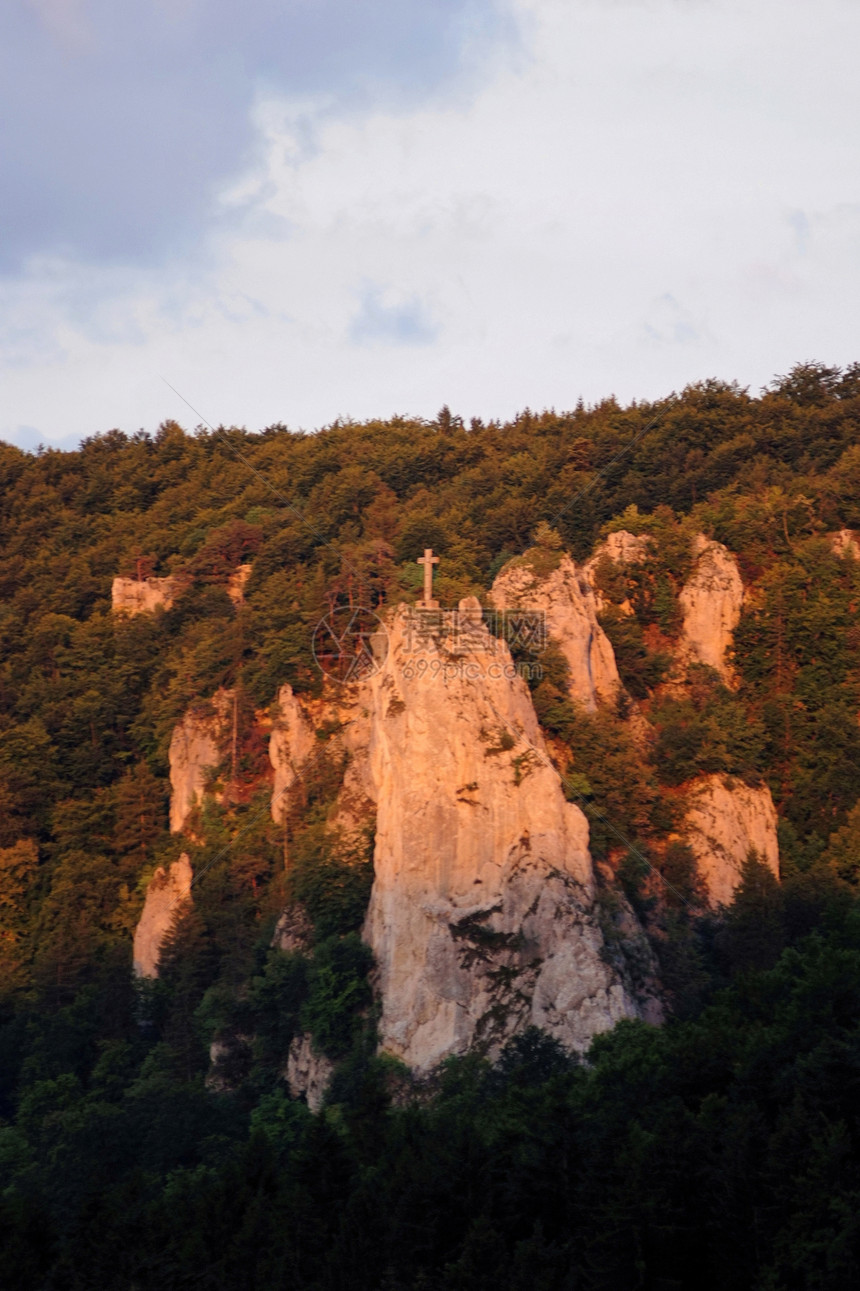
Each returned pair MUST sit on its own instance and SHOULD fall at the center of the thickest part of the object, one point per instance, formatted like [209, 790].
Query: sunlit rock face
[711, 601]
[142, 596]
[237, 583]
[624, 548]
[482, 912]
[482, 916]
[621, 548]
[844, 543]
[726, 819]
[567, 600]
[167, 896]
[342, 719]
[196, 747]
[291, 743]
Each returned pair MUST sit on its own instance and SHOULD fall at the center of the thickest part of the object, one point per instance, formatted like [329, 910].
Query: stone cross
[428, 560]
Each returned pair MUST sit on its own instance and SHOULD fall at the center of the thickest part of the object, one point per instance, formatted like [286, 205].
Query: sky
[297, 210]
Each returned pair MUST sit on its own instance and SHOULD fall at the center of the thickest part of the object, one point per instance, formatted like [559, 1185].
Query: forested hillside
[721, 1150]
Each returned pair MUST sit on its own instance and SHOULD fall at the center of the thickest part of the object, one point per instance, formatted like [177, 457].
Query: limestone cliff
[142, 596]
[711, 601]
[567, 601]
[482, 914]
[342, 717]
[168, 894]
[291, 743]
[196, 746]
[725, 820]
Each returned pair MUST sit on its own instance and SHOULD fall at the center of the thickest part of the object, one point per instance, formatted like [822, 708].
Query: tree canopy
[719, 1151]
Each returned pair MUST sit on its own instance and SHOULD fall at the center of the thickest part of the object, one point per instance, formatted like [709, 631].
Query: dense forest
[721, 1150]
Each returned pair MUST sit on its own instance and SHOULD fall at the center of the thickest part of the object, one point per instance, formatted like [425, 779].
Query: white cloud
[651, 193]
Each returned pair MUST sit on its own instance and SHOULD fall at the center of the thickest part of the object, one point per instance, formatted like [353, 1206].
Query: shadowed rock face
[168, 894]
[567, 599]
[195, 748]
[481, 916]
[711, 601]
[308, 1072]
[725, 820]
[142, 596]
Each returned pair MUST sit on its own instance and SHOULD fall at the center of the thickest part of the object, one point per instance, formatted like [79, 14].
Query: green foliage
[843, 850]
[338, 991]
[531, 1059]
[225, 548]
[547, 537]
[640, 669]
[625, 805]
[283, 1121]
[275, 1002]
[708, 730]
[607, 778]
[678, 867]
[650, 586]
[331, 876]
[798, 649]
[718, 1152]
[754, 934]
[541, 560]
[18, 867]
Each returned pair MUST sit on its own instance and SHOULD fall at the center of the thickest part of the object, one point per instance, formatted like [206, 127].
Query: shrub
[707, 731]
[331, 875]
[276, 999]
[639, 668]
[843, 851]
[338, 991]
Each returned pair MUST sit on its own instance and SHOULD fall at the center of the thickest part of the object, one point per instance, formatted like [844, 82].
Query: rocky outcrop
[625, 548]
[844, 543]
[567, 600]
[620, 548]
[196, 746]
[726, 819]
[342, 720]
[142, 596]
[294, 931]
[237, 582]
[291, 743]
[711, 601]
[167, 896]
[308, 1072]
[482, 914]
